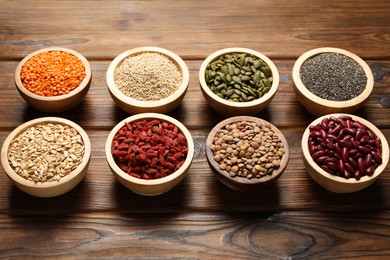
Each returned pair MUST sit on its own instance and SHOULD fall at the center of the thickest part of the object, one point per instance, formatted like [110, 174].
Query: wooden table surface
[200, 218]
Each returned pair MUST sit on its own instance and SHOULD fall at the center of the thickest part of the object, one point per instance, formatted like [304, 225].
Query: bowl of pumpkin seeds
[238, 81]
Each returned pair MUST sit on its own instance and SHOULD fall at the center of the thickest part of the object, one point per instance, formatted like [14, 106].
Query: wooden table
[200, 218]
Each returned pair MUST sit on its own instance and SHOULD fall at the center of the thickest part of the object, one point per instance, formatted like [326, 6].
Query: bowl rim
[215, 55]
[74, 92]
[242, 180]
[331, 103]
[44, 185]
[152, 182]
[362, 180]
[180, 64]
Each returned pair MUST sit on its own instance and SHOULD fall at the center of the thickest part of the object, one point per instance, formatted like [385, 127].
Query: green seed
[245, 78]
[236, 79]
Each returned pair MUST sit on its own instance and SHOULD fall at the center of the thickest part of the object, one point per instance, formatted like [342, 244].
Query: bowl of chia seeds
[247, 153]
[331, 80]
[147, 79]
[238, 81]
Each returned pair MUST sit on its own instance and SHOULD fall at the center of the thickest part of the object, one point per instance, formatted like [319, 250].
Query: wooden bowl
[150, 187]
[55, 104]
[230, 108]
[53, 188]
[134, 106]
[340, 184]
[320, 106]
[241, 183]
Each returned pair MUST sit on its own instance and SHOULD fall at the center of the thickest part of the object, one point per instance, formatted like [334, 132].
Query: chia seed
[333, 76]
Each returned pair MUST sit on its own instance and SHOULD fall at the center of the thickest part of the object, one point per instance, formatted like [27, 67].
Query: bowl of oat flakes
[46, 157]
[147, 79]
[246, 153]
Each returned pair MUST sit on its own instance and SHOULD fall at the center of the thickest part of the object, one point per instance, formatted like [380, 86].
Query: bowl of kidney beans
[149, 153]
[344, 153]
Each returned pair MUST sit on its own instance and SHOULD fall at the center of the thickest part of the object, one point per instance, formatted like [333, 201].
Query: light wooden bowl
[319, 106]
[55, 104]
[134, 106]
[150, 187]
[241, 183]
[230, 108]
[54, 188]
[340, 184]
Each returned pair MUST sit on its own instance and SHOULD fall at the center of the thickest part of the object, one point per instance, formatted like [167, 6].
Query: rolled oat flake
[333, 76]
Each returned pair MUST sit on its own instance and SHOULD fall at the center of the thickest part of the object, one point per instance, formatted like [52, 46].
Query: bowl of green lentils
[147, 79]
[238, 81]
[246, 153]
[331, 80]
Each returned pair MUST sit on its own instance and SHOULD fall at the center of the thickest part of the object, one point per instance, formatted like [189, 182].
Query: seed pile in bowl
[46, 152]
[52, 73]
[239, 77]
[333, 76]
[247, 149]
[345, 147]
[149, 149]
[148, 76]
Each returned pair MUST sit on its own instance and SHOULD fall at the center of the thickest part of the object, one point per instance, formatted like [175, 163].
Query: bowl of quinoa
[53, 79]
[147, 79]
[331, 80]
[46, 157]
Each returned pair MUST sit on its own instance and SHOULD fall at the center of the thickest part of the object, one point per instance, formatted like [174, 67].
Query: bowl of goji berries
[344, 153]
[149, 153]
[147, 80]
[53, 79]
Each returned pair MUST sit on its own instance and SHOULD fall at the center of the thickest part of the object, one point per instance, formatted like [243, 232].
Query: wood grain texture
[197, 236]
[200, 218]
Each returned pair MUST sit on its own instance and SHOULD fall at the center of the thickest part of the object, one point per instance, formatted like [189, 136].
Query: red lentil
[52, 73]
[149, 149]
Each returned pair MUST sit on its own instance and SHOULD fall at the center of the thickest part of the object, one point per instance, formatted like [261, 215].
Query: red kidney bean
[321, 160]
[347, 138]
[368, 160]
[370, 170]
[358, 155]
[314, 128]
[364, 149]
[332, 153]
[364, 139]
[349, 123]
[345, 154]
[349, 167]
[330, 144]
[338, 148]
[333, 166]
[320, 148]
[377, 157]
[341, 166]
[360, 133]
[357, 174]
[353, 162]
[317, 154]
[350, 131]
[353, 152]
[331, 159]
[333, 137]
[324, 134]
[326, 168]
[347, 174]
[325, 123]
[361, 165]
[316, 133]
[354, 143]
[341, 122]
[345, 117]
[377, 143]
[346, 144]
[337, 130]
[312, 148]
[371, 134]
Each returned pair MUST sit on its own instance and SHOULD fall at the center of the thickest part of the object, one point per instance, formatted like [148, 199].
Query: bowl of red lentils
[238, 81]
[53, 79]
[149, 153]
[246, 153]
[46, 157]
[344, 153]
[331, 80]
[147, 79]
